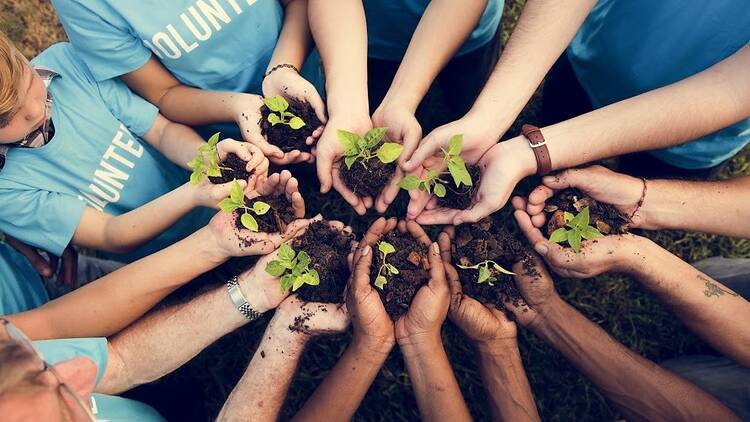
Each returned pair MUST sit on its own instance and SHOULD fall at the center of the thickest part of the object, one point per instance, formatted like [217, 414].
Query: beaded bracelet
[281, 66]
[640, 201]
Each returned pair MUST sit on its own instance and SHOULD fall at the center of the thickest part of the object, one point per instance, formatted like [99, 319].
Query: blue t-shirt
[628, 47]
[21, 287]
[214, 44]
[107, 408]
[96, 158]
[391, 24]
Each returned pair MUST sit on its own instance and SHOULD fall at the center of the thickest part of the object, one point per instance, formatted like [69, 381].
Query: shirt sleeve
[96, 349]
[102, 37]
[46, 220]
[137, 114]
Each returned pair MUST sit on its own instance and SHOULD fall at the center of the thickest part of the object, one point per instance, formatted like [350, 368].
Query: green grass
[619, 305]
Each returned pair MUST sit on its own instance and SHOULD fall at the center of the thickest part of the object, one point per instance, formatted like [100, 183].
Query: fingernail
[435, 248]
[366, 250]
[541, 248]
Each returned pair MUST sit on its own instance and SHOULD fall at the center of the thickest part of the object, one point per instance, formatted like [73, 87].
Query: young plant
[485, 273]
[206, 161]
[576, 228]
[360, 149]
[385, 269]
[293, 268]
[236, 200]
[281, 116]
[456, 166]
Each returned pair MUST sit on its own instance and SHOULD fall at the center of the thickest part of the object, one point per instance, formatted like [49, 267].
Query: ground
[618, 304]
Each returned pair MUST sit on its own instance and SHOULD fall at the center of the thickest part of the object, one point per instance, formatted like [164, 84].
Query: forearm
[353, 373]
[197, 107]
[431, 47]
[294, 40]
[544, 30]
[179, 143]
[111, 303]
[344, 58]
[707, 307]
[505, 381]
[639, 389]
[435, 387]
[260, 392]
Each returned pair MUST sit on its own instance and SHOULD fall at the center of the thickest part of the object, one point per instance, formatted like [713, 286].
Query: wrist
[497, 347]
[209, 247]
[242, 106]
[343, 102]
[372, 349]
[519, 153]
[490, 120]
[549, 314]
[255, 296]
[401, 98]
[419, 344]
[281, 333]
[629, 257]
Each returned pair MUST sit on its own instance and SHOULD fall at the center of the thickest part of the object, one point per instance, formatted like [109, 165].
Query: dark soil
[487, 240]
[275, 220]
[370, 180]
[411, 259]
[604, 217]
[233, 167]
[328, 249]
[283, 136]
[461, 198]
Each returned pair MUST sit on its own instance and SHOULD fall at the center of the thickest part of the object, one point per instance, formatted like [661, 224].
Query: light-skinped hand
[404, 128]
[257, 163]
[598, 182]
[320, 318]
[609, 253]
[482, 324]
[328, 158]
[282, 184]
[232, 241]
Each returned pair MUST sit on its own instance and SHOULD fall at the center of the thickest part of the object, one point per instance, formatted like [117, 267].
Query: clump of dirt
[300, 321]
[328, 249]
[283, 136]
[233, 168]
[368, 179]
[483, 241]
[605, 217]
[275, 220]
[461, 198]
[411, 260]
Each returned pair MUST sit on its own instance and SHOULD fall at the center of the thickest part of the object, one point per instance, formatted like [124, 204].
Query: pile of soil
[412, 261]
[483, 241]
[605, 217]
[233, 167]
[283, 136]
[461, 198]
[370, 180]
[275, 220]
[328, 249]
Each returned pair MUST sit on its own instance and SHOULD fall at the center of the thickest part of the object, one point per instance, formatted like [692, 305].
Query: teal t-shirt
[105, 407]
[215, 44]
[96, 158]
[628, 47]
[391, 24]
[21, 287]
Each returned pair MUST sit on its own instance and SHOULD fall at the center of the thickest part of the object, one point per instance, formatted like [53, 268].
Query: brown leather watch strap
[539, 145]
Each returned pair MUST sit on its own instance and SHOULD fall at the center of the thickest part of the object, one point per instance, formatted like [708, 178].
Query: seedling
[206, 161]
[357, 148]
[236, 200]
[385, 269]
[577, 229]
[281, 115]
[456, 166]
[485, 273]
[293, 268]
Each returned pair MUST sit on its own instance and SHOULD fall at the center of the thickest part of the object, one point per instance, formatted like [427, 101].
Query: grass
[619, 305]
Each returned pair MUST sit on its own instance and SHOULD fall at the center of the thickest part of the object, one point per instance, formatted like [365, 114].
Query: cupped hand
[537, 289]
[257, 163]
[279, 184]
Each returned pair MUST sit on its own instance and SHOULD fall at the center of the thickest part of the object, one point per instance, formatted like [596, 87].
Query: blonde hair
[12, 67]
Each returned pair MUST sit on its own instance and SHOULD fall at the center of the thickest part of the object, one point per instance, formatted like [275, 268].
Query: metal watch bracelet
[239, 301]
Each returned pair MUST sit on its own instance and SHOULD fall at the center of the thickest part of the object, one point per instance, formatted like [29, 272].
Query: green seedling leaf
[558, 236]
[274, 119]
[484, 274]
[275, 268]
[440, 190]
[389, 152]
[277, 103]
[214, 171]
[374, 136]
[432, 174]
[195, 163]
[455, 144]
[314, 278]
[236, 193]
[286, 255]
[391, 269]
[213, 141]
[296, 123]
[287, 280]
[249, 222]
[574, 240]
[349, 141]
[591, 233]
[303, 260]
[380, 282]
[349, 160]
[568, 217]
[260, 207]
[227, 205]
[497, 267]
[410, 183]
[195, 178]
[386, 248]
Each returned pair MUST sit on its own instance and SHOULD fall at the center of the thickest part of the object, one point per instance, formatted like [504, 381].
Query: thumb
[570, 178]
[429, 145]
[324, 167]
[361, 275]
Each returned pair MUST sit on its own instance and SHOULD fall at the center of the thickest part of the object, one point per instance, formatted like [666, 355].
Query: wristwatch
[539, 145]
[239, 301]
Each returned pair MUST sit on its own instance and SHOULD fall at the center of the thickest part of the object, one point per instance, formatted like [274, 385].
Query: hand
[328, 153]
[48, 268]
[290, 84]
[609, 253]
[402, 127]
[502, 168]
[312, 319]
[538, 291]
[598, 182]
[282, 184]
[485, 325]
[257, 163]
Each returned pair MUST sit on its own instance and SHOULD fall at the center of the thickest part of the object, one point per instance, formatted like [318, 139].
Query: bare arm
[295, 39]
[505, 381]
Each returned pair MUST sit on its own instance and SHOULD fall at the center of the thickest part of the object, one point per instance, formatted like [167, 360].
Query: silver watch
[239, 301]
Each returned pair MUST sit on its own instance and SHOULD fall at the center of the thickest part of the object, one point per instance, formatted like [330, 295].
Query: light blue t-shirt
[96, 158]
[628, 47]
[21, 287]
[211, 44]
[391, 24]
[107, 408]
